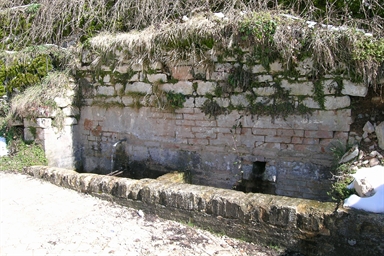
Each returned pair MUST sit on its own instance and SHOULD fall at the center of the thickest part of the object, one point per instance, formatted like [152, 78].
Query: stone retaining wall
[306, 226]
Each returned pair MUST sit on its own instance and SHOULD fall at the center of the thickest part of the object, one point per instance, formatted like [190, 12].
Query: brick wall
[123, 100]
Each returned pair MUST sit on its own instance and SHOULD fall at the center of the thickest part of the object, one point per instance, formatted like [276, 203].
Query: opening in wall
[254, 182]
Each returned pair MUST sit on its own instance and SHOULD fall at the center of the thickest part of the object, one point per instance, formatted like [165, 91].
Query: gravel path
[39, 218]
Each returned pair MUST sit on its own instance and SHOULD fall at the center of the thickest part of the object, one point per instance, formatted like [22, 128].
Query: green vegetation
[212, 108]
[23, 73]
[175, 100]
[21, 154]
[341, 175]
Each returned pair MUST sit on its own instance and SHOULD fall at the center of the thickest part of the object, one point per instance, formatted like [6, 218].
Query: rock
[350, 155]
[380, 134]
[368, 127]
[375, 154]
[361, 155]
[353, 89]
[62, 102]
[363, 188]
[373, 162]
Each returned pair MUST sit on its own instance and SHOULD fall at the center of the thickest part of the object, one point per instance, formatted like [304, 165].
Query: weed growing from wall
[212, 109]
[341, 175]
[175, 100]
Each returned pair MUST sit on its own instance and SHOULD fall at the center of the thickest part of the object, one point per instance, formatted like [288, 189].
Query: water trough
[306, 226]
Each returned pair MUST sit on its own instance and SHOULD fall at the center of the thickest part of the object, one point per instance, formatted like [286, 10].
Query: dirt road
[39, 218]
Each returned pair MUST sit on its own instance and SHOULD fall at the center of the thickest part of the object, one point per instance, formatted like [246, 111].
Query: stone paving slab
[39, 218]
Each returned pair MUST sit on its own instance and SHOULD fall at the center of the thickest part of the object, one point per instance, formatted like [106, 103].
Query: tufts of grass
[39, 100]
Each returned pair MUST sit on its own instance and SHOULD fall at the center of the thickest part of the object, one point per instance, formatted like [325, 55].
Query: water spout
[114, 152]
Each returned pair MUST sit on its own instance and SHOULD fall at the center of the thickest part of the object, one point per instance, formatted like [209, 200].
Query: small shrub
[341, 175]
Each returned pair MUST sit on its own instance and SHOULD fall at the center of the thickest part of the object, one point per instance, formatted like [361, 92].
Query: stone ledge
[306, 226]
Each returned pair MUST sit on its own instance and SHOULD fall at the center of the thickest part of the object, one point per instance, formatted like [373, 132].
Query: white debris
[3, 147]
[350, 155]
[219, 15]
[375, 177]
[185, 18]
[140, 213]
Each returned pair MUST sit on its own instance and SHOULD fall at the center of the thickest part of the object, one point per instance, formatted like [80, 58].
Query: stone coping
[305, 226]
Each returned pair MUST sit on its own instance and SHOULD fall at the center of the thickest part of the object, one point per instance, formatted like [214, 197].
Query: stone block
[264, 91]
[44, 123]
[264, 78]
[138, 87]
[183, 87]
[380, 134]
[153, 78]
[63, 102]
[260, 131]
[182, 72]
[354, 89]
[239, 100]
[319, 134]
[279, 139]
[290, 132]
[305, 88]
[106, 90]
[332, 102]
[137, 67]
[71, 111]
[205, 87]
[311, 103]
[122, 69]
[70, 121]
[258, 69]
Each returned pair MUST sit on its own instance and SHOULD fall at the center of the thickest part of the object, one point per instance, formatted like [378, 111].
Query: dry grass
[65, 21]
[330, 47]
[39, 100]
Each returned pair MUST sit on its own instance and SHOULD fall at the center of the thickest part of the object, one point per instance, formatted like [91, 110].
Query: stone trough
[300, 225]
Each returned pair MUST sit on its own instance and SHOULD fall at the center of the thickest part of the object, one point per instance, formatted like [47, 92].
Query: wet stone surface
[39, 218]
